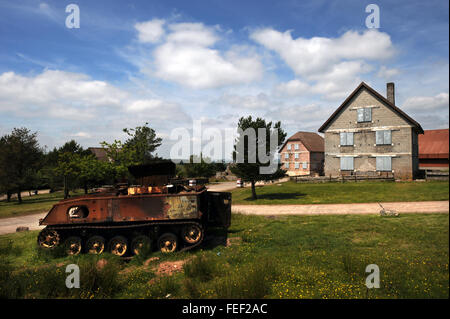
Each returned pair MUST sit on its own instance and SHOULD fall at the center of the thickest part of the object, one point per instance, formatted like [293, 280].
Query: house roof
[378, 96]
[312, 141]
[99, 153]
[434, 144]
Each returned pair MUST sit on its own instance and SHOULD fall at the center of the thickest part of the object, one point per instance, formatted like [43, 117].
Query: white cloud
[56, 93]
[427, 103]
[260, 101]
[188, 57]
[150, 31]
[318, 55]
[327, 66]
[387, 74]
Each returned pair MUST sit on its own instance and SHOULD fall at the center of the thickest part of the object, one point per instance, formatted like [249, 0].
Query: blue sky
[171, 62]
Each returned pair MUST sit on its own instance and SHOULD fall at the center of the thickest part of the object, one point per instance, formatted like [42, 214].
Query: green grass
[282, 257]
[348, 192]
[31, 204]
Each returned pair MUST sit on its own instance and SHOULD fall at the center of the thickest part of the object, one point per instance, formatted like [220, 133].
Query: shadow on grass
[280, 196]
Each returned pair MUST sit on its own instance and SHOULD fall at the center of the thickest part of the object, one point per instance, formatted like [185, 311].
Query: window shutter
[296, 155]
[350, 138]
[343, 139]
[387, 137]
[286, 155]
[350, 163]
[305, 165]
[379, 137]
[368, 114]
[289, 147]
[388, 163]
[296, 146]
[360, 115]
[379, 163]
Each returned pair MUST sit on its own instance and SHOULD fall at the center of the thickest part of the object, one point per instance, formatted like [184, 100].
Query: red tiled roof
[312, 141]
[434, 144]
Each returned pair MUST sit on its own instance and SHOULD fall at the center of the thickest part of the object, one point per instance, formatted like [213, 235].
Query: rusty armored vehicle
[161, 212]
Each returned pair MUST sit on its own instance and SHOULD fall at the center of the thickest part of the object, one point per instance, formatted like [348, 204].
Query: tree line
[25, 165]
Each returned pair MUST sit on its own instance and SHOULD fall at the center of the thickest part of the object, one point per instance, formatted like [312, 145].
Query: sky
[172, 63]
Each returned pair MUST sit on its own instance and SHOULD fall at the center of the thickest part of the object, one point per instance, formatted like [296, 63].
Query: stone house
[303, 154]
[369, 135]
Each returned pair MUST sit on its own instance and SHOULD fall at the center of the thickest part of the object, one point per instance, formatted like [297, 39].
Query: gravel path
[342, 209]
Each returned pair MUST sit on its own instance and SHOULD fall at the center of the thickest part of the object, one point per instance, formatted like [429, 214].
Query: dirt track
[9, 225]
[342, 209]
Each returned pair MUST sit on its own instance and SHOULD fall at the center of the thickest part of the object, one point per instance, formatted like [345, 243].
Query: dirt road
[9, 225]
[341, 209]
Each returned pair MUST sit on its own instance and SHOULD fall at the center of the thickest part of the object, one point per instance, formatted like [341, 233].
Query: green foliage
[200, 167]
[201, 268]
[20, 159]
[248, 151]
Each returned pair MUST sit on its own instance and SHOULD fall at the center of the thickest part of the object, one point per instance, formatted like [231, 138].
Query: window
[383, 137]
[286, 165]
[297, 146]
[346, 138]
[305, 165]
[78, 212]
[297, 165]
[365, 114]
[286, 155]
[296, 155]
[289, 147]
[347, 163]
[384, 163]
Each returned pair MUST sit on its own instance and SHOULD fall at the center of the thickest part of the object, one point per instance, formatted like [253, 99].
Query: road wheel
[140, 244]
[95, 245]
[48, 238]
[73, 245]
[118, 245]
[168, 243]
[192, 233]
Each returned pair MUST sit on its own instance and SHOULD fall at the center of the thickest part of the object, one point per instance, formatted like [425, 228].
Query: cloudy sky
[169, 63]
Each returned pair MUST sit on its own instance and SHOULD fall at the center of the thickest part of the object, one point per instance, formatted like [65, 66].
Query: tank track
[109, 227]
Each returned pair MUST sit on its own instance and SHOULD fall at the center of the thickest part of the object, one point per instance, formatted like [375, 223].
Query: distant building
[369, 135]
[99, 153]
[434, 149]
[303, 154]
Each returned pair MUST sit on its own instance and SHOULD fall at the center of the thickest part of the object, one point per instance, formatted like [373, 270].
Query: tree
[248, 152]
[136, 150]
[143, 141]
[204, 167]
[92, 171]
[20, 159]
[65, 162]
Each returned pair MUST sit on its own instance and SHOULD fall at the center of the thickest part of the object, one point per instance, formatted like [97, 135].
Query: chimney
[390, 92]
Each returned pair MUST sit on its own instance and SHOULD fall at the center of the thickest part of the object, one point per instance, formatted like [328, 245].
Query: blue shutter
[367, 114]
[349, 138]
[388, 163]
[360, 115]
[379, 137]
[343, 139]
[387, 137]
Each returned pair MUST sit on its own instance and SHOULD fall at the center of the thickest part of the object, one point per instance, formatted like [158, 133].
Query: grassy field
[31, 204]
[283, 257]
[348, 192]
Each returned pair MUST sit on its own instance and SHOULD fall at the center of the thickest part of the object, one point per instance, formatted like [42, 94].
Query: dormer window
[364, 114]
